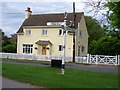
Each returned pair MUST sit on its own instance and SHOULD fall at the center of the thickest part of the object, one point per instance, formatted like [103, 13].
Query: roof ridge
[57, 13]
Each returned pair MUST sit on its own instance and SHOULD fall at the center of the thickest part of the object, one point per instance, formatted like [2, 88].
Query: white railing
[103, 59]
[90, 59]
[34, 57]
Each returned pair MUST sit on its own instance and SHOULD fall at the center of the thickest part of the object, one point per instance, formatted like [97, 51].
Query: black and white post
[64, 43]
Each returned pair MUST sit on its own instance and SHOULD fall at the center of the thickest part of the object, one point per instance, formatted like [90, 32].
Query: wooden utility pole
[74, 19]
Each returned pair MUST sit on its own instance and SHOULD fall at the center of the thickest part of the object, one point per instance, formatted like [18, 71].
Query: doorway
[43, 50]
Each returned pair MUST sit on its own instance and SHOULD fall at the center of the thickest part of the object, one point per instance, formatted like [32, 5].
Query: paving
[8, 83]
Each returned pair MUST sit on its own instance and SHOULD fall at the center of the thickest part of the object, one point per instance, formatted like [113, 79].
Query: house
[42, 34]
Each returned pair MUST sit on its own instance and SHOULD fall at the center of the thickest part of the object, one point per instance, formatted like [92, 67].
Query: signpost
[64, 43]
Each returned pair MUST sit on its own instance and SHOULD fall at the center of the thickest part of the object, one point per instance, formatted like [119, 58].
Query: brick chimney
[28, 12]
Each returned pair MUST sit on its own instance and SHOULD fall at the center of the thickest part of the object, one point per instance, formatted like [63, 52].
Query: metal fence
[90, 59]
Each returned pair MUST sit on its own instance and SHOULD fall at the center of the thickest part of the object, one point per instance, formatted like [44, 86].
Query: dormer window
[28, 32]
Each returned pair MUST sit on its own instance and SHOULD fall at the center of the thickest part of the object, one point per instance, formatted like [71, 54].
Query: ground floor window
[60, 47]
[27, 48]
[78, 50]
[81, 49]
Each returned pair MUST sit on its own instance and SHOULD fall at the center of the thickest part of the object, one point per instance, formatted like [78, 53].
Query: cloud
[13, 12]
[42, 0]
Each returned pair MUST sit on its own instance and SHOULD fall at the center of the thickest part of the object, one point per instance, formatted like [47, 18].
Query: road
[94, 68]
[8, 83]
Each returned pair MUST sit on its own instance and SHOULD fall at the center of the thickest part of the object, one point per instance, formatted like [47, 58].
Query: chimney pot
[27, 13]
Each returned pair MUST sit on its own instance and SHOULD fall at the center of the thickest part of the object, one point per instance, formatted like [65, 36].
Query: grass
[39, 61]
[51, 78]
[27, 61]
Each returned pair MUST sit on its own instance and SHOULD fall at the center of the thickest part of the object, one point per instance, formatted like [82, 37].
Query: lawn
[51, 78]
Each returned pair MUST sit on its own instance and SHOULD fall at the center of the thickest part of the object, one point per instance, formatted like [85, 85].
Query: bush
[10, 48]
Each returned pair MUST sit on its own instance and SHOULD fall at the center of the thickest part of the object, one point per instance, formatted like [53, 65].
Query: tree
[0, 40]
[106, 46]
[10, 48]
[109, 43]
[97, 8]
[13, 38]
[8, 44]
[114, 15]
[95, 31]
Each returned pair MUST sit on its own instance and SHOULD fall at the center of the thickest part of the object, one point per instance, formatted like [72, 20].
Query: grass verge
[51, 77]
[40, 61]
[27, 61]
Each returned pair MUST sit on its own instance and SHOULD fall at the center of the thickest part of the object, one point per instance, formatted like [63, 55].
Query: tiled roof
[42, 19]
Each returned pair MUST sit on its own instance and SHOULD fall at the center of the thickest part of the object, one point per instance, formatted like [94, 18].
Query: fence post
[88, 57]
[118, 59]
[96, 59]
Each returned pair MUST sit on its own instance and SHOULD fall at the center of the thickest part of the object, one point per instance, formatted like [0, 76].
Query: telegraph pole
[64, 43]
[74, 19]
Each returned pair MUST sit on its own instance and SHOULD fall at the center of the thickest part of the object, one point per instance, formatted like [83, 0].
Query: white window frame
[44, 32]
[61, 34]
[82, 49]
[60, 48]
[80, 33]
[27, 48]
[28, 32]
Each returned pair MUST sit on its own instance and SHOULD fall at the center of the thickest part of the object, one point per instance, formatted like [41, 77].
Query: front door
[43, 50]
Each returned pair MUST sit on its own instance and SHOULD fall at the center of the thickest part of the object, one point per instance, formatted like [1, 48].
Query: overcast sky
[13, 12]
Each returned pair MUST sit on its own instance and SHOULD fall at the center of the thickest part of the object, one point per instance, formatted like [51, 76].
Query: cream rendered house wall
[83, 39]
[53, 36]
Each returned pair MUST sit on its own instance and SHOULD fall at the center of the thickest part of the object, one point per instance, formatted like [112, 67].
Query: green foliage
[95, 31]
[51, 77]
[10, 48]
[9, 44]
[114, 16]
[107, 45]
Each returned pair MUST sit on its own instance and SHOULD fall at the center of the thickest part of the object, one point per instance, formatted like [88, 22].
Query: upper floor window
[80, 33]
[28, 32]
[44, 32]
[27, 48]
[61, 32]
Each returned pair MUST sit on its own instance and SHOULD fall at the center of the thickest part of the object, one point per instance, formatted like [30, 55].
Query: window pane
[60, 48]
[27, 48]
[60, 32]
[82, 48]
[28, 32]
[44, 32]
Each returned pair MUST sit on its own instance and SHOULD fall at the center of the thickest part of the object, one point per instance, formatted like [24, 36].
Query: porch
[43, 47]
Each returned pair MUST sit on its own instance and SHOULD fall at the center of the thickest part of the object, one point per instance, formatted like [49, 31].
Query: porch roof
[43, 42]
